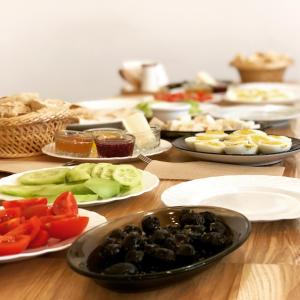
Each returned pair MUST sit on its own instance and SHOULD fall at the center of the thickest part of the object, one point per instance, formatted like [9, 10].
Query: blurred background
[72, 49]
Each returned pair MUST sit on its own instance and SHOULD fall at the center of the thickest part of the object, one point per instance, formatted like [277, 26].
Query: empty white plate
[258, 197]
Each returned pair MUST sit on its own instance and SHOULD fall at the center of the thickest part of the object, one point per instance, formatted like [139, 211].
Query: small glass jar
[148, 140]
[113, 142]
[73, 143]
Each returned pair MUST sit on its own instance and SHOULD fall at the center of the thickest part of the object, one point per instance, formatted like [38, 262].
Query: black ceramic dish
[81, 249]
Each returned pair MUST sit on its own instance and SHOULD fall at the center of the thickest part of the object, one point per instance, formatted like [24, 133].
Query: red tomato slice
[67, 228]
[24, 202]
[51, 218]
[35, 210]
[31, 227]
[64, 204]
[13, 212]
[13, 244]
[9, 225]
[40, 240]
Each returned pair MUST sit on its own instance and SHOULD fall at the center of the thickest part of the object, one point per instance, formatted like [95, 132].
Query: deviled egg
[209, 146]
[239, 147]
[248, 132]
[190, 142]
[271, 146]
[212, 134]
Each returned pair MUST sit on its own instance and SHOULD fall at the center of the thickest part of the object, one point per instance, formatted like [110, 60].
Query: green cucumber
[105, 188]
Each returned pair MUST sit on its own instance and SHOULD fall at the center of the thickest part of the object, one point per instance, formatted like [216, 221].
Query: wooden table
[266, 267]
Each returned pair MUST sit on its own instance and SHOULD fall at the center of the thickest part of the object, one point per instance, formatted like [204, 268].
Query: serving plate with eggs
[246, 147]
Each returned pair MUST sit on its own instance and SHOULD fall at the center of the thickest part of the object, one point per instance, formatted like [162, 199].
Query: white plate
[164, 146]
[94, 220]
[292, 90]
[149, 182]
[266, 113]
[242, 159]
[258, 197]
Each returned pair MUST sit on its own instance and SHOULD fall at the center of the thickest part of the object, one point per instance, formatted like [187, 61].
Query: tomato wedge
[40, 240]
[66, 228]
[64, 204]
[13, 244]
[35, 210]
[30, 227]
[9, 225]
[24, 202]
[13, 212]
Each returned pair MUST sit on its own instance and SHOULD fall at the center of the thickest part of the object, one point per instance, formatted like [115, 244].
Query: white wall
[72, 49]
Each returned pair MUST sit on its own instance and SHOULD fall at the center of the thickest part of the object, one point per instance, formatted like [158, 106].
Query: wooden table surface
[266, 267]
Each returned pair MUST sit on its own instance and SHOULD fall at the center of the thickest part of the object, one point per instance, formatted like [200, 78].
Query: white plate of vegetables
[91, 184]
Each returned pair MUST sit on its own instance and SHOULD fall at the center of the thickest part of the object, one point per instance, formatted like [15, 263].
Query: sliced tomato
[40, 240]
[38, 210]
[66, 228]
[13, 212]
[51, 218]
[9, 225]
[13, 244]
[64, 204]
[30, 227]
[24, 202]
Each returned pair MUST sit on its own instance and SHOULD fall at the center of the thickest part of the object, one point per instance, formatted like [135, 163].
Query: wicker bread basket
[25, 135]
[261, 75]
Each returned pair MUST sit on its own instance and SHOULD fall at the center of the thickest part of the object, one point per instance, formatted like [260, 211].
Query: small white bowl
[165, 111]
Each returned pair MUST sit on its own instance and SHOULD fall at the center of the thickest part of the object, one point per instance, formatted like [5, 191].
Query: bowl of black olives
[148, 249]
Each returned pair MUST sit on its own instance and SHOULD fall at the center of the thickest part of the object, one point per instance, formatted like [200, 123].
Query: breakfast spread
[240, 142]
[151, 247]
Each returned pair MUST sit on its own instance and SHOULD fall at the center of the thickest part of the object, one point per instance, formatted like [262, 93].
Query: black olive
[214, 239]
[111, 251]
[181, 237]
[217, 226]
[121, 269]
[150, 224]
[208, 217]
[189, 217]
[186, 250]
[164, 255]
[170, 243]
[173, 228]
[132, 241]
[132, 228]
[195, 228]
[117, 234]
[134, 256]
[160, 235]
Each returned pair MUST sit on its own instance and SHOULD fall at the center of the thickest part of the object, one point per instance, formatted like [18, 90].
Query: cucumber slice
[131, 190]
[77, 175]
[86, 198]
[105, 188]
[107, 172]
[86, 167]
[127, 175]
[44, 177]
[21, 190]
[98, 169]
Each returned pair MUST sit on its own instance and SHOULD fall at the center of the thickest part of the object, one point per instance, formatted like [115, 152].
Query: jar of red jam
[113, 143]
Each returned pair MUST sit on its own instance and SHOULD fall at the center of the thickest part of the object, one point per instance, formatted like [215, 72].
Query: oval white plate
[242, 159]
[149, 182]
[94, 220]
[292, 90]
[164, 146]
[265, 113]
[258, 197]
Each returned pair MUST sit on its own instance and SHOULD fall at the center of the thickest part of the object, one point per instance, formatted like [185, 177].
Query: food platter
[263, 93]
[149, 181]
[259, 113]
[258, 197]
[94, 220]
[242, 159]
[163, 147]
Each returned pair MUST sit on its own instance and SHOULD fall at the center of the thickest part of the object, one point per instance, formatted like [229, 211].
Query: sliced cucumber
[86, 167]
[52, 176]
[131, 190]
[21, 190]
[127, 175]
[98, 169]
[105, 188]
[77, 175]
[107, 172]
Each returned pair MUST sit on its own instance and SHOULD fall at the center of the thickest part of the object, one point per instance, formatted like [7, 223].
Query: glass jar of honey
[73, 143]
